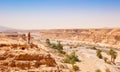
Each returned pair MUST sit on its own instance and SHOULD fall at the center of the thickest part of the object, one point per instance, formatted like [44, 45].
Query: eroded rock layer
[23, 57]
[109, 36]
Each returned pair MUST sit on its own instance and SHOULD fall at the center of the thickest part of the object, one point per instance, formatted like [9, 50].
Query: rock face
[109, 36]
[13, 56]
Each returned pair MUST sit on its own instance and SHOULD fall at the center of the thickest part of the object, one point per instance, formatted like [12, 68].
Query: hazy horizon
[57, 14]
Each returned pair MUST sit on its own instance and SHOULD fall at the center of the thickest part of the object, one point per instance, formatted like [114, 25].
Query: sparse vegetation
[72, 62]
[53, 45]
[106, 60]
[57, 46]
[99, 55]
[48, 41]
[72, 58]
[75, 67]
[113, 55]
[61, 51]
[98, 70]
[94, 48]
[91, 47]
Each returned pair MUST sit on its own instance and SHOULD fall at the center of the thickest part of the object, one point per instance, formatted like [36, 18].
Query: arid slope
[109, 36]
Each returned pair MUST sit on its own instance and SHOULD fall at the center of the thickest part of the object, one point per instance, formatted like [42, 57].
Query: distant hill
[3, 28]
[109, 36]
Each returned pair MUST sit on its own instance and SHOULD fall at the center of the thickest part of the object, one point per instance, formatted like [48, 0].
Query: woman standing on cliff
[28, 36]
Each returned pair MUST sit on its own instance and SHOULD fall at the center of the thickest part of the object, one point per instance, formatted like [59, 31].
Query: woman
[29, 38]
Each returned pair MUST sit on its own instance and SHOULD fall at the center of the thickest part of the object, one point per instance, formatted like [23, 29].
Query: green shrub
[99, 55]
[72, 62]
[48, 41]
[53, 45]
[71, 57]
[75, 67]
[61, 51]
[91, 47]
[67, 59]
[94, 48]
[111, 52]
[98, 70]
[59, 46]
[74, 56]
[105, 59]
[113, 55]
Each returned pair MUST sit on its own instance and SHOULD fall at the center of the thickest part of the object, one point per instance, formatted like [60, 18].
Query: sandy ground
[89, 61]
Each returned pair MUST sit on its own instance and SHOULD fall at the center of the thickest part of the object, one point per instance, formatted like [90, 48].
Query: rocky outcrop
[31, 57]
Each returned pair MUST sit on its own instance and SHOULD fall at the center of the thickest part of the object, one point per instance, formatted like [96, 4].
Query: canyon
[108, 36]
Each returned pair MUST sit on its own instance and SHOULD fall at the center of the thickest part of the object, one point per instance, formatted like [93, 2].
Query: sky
[56, 14]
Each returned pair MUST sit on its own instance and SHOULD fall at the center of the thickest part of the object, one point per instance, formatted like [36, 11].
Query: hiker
[28, 36]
